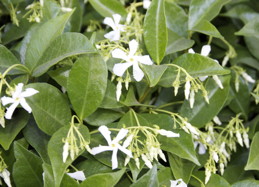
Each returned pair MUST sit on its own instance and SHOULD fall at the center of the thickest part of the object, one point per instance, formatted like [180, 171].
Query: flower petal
[10, 110]
[113, 35]
[144, 59]
[25, 105]
[18, 90]
[106, 133]
[29, 92]
[205, 50]
[116, 18]
[146, 4]
[120, 68]
[100, 149]
[78, 175]
[137, 72]
[133, 47]
[114, 159]
[109, 21]
[122, 133]
[118, 53]
[128, 140]
[126, 151]
[191, 51]
[7, 100]
[6, 176]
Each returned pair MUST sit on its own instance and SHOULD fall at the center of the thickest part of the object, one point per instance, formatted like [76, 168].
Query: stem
[142, 98]
[135, 116]
[170, 104]
[13, 66]
[202, 184]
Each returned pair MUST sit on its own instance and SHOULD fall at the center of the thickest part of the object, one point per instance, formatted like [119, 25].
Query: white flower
[221, 168]
[191, 129]
[147, 162]
[5, 174]
[168, 134]
[146, 4]
[65, 151]
[131, 60]
[239, 138]
[178, 183]
[246, 139]
[187, 88]
[218, 82]
[217, 120]
[18, 97]
[215, 156]
[223, 150]
[113, 145]
[202, 148]
[247, 77]
[192, 98]
[207, 175]
[114, 24]
[78, 175]
[118, 90]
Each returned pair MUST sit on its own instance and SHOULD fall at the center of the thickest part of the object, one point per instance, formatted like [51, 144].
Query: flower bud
[239, 138]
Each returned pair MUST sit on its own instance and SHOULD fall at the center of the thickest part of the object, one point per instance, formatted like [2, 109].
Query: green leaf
[253, 160]
[55, 150]
[108, 7]
[50, 107]
[154, 73]
[250, 29]
[164, 176]
[87, 84]
[196, 65]
[27, 170]
[248, 182]
[103, 117]
[176, 19]
[12, 128]
[68, 181]
[60, 75]
[216, 180]
[202, 112]
[205, 27]
[155, 30]
[48, 177]
[177, 43]
[66, 45]
[149, 179]
[39, 38]
[8, 59]
[37, 139]
[210, 9]
[181, 168]
[103, 179]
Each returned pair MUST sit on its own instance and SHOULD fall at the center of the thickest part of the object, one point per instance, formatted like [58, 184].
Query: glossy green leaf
[48, 177]
[181, 168]
[207, 28]
[196, 65]
[12, 128]
[154, 73]
[50, 107]
[55, 150]
[253, 160]
[176, 19]
[68, 181]
[202, 112]
[37, 139]
[27, 170]
[108, 7]
[246, 183]
[149, 179]
[40, 37]
[251, 43]
[103, 179]
[155, 30]
[250, 29]
[68, 44]
[217, 180]
[87, 84]
[8, 59]
[164, 176]
[60, 75]
[210, 9]
[103, 117]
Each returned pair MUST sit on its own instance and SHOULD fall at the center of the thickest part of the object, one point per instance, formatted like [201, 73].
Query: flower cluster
[148, 148]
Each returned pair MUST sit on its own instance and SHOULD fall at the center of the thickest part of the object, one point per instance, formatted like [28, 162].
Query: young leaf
[155, 30]
[87, 84]
[27, 166]
[250, 29]
[108, 7]
[68, 44]
[50, 107]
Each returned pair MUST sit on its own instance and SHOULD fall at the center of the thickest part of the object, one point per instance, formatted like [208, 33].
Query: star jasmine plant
[131, 59]
[114, 23]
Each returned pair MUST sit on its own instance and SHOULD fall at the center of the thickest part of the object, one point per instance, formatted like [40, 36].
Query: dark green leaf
[155, 30]
[66, 45]
[27, 170]
[216, 180]
[253, 160]
[154, 73]
[50, 107]
[250, 29]
[87, 84]
[149, 179]
[246, 183]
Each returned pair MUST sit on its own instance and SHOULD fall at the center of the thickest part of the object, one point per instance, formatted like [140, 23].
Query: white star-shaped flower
[78, 175]
[113, 145]
[18, 97]
[114, 24]
[131, 60]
